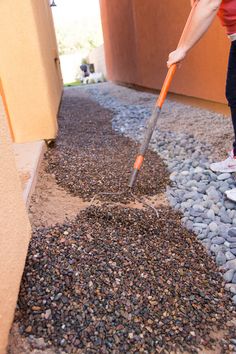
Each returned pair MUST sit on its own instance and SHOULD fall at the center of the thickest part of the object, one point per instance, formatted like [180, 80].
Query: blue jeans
[231, 88]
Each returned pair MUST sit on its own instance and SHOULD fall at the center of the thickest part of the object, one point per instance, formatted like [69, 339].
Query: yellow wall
[29, 68]
[14, 231]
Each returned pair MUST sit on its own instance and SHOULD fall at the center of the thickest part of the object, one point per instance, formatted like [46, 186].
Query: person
[203, 16]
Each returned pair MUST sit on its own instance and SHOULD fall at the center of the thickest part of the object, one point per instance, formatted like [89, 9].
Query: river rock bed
[121, 280]
[196, 191]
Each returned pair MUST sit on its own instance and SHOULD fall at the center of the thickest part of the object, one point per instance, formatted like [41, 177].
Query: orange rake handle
[166, 86]
[152, 124]
[157, 110]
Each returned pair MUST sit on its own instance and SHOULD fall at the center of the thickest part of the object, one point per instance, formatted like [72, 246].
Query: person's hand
[176, 57]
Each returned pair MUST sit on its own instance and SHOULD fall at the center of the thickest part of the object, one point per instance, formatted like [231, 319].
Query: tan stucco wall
[14, 231]
[97, 57]
[29, 68]
[138, 36]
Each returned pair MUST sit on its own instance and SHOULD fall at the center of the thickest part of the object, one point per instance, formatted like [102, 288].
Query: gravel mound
[120, 280]
[91, 158]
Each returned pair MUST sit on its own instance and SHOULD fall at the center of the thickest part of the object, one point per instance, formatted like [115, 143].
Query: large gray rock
[231, 287]
[220, 258]
[232, 232]
[223, 176]
[211, 214]
[198, 207]
[215, 248]
[218, 240]
[224, 217]
[213, 226]
[231, 264]
[229, 256]
[228, 276]
[229, 205]
[233, 280]
[213, 194]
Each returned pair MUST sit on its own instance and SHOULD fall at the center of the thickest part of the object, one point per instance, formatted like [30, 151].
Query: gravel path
[116, 279]
[90, 158]
[187, 149]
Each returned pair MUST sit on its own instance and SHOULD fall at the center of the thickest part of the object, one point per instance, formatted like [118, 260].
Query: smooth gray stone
[199, 220]
[215, 208]
[207, 221]
[220, 258]
[198, 207]
[233, 250]
[229, 205]
[233, 278]
[223, 230]
[232, 340]
[213, 226]
[229, 256]
[202, 187]
[189, 225]
[213, 177]
[184, 173]
[232, 232]
[195, 213]
[213, 194]
[195, 163]
[224, 188]
[207, 244]
[232, 245]
[211, 234]
[218, 240]
[191, 183]
[215, 248]
[197, 177]
[200, 225]
[227, 244]
[231, 239]
[231, 181]
[223, 176]
[201, 236]
[225, 218]
[228, 276]
[231, 264]
[198, 170]
[211, 214]
[215, 184]
[231, 287]
[186, 205]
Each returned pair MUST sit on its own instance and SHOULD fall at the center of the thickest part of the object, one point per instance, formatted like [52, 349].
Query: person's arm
[192, 2]
[202, 18]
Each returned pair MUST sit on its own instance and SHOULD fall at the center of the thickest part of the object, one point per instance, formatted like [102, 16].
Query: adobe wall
[138, 36]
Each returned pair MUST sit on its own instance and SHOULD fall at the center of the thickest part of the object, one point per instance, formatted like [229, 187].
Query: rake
[156, 111]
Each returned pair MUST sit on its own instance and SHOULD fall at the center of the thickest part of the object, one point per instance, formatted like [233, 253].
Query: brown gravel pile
[120, 280]
[90, 158]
